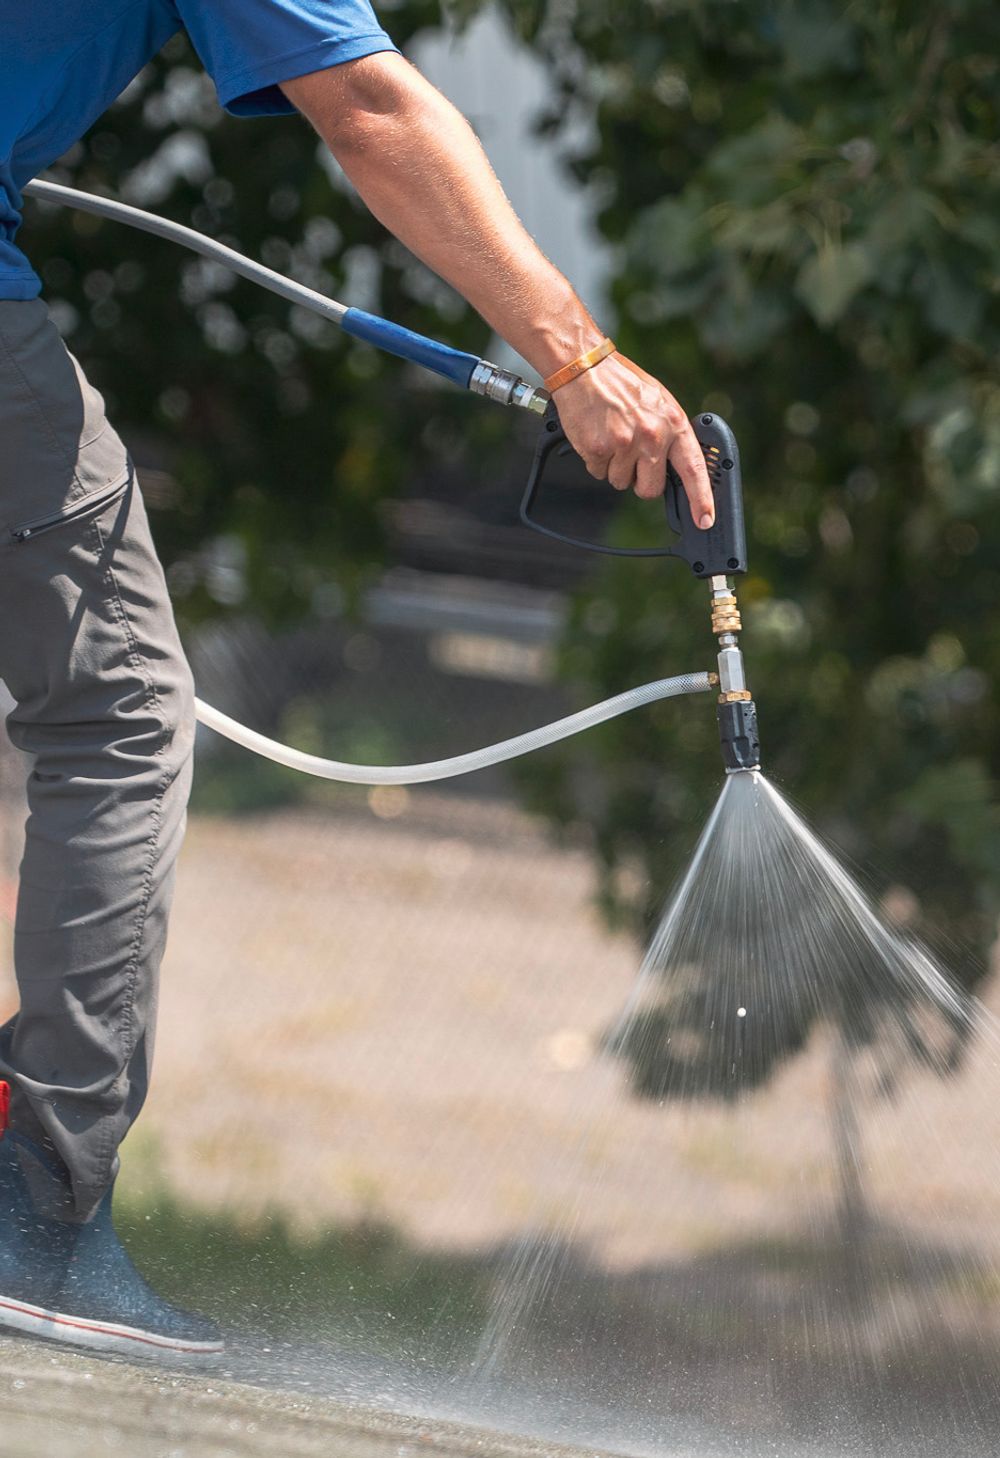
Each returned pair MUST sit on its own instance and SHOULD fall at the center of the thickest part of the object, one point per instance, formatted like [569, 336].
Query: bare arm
[418, 165]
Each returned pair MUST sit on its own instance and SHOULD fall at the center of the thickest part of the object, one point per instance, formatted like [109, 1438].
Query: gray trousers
[104, 708]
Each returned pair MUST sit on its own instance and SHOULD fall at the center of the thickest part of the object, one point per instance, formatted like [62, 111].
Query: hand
[626, 426]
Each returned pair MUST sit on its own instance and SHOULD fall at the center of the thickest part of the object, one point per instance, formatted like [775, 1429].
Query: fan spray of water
[821, 1239]
[766, 935]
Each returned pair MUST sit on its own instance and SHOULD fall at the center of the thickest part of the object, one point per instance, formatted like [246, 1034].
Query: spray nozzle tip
[739, 736]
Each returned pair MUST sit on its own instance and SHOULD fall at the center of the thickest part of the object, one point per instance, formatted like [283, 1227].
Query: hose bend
[459, 764]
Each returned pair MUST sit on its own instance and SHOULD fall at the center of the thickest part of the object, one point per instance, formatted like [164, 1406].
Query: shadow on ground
[805, 1344]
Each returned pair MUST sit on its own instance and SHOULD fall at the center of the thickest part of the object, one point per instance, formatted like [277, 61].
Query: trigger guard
[553, 438]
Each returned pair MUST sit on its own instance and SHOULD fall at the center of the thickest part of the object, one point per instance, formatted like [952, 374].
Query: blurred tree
[804, 200]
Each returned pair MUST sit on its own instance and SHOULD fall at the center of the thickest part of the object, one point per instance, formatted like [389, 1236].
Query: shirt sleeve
[248, 46]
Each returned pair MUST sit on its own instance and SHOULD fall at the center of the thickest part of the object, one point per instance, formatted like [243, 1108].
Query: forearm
[420, 169]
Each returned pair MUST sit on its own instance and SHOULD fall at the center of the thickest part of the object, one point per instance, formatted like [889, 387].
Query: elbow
[357, 106]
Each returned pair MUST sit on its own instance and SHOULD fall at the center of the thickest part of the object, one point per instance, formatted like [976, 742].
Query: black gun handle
[718, 551]
[721, 551]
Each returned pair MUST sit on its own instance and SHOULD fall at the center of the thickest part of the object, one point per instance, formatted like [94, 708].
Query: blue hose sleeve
[454, 364]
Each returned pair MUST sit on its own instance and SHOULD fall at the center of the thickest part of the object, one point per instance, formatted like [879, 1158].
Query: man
[88, 647]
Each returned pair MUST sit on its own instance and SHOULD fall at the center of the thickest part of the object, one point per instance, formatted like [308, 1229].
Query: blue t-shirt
[62, 63]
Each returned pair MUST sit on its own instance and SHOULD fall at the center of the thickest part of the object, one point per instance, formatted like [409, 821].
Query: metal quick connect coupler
[506, 388]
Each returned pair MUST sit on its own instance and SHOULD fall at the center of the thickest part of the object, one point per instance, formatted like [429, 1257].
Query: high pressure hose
[464, 369]
[467, 370]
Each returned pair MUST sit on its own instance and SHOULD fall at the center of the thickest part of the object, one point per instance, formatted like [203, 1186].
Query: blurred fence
[368, 993]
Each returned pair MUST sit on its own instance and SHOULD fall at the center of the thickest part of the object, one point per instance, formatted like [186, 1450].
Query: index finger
[688, 460]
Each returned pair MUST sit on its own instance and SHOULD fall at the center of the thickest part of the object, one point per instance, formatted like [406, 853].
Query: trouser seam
[126, 1029]
[135, 653]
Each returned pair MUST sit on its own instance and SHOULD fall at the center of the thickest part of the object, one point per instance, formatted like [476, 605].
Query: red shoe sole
[97, 1335]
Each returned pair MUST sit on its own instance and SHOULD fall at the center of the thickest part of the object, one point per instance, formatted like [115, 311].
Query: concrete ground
[56, 1403]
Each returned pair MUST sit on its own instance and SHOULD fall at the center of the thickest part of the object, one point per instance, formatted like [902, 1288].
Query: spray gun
[715, 554]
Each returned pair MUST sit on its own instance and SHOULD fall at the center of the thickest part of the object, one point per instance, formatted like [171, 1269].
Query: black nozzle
[738, 732]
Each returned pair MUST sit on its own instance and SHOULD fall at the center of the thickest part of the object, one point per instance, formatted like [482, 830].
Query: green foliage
[232, 782]
[804, 198]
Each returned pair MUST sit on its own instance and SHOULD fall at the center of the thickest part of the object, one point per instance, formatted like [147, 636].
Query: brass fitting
[736, 696]
[726, 615]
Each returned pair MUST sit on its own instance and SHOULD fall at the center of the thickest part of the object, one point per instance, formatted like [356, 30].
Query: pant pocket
[58, 446]
[80, 509]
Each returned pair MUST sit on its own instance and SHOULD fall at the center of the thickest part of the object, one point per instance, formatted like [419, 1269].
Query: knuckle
[650, 438]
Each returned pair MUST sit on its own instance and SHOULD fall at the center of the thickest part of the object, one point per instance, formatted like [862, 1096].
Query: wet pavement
[56, 1402]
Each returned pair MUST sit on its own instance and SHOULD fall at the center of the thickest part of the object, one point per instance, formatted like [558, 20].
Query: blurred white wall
[497, 83]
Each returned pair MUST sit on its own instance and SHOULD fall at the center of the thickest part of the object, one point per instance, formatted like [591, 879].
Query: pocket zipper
[89, 505]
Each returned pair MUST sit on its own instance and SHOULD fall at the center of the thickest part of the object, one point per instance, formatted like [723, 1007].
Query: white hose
[459, 764]
[249, 268]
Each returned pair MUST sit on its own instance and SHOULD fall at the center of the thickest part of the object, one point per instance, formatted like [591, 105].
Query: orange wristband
[580, 365]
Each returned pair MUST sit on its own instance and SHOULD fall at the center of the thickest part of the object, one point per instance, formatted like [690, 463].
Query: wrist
[579, 366]
[561, 331]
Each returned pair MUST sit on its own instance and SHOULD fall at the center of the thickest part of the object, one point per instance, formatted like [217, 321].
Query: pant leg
[104, 708]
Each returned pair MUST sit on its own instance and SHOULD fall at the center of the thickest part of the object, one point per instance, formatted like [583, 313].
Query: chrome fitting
[506, 388]
[530, 398]
[732, 675]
